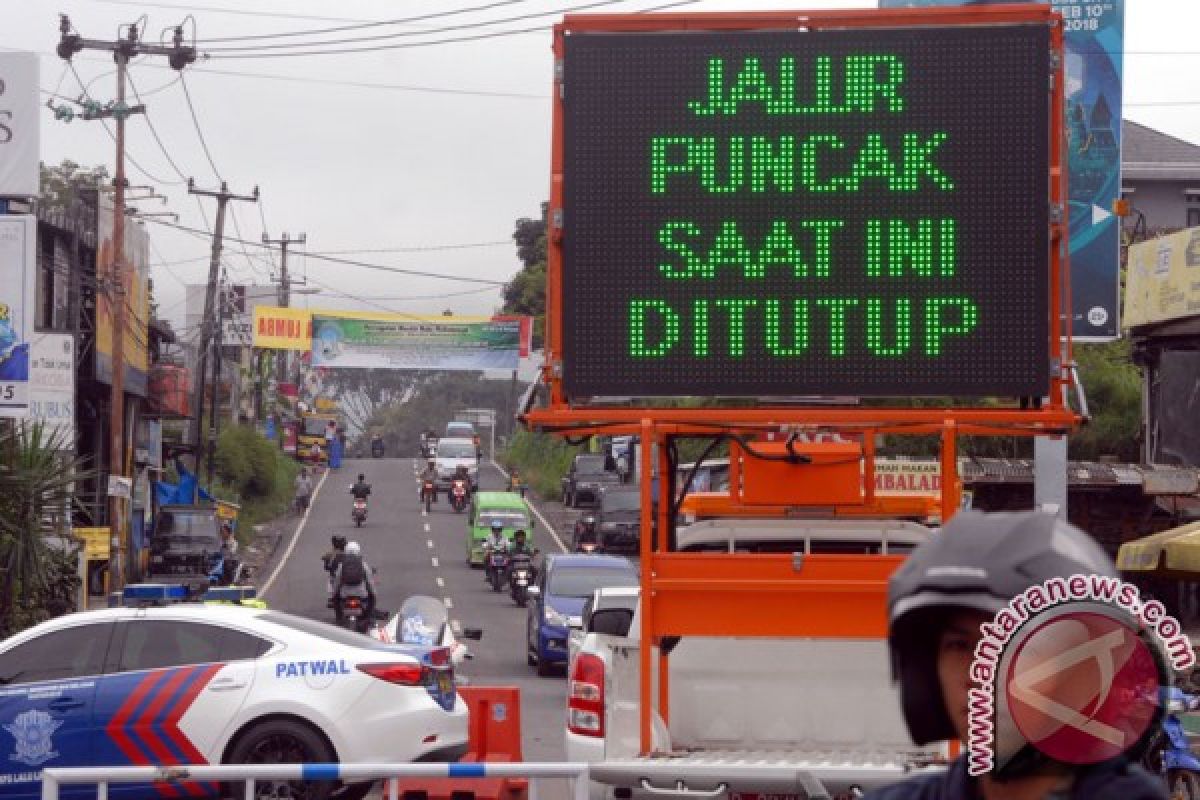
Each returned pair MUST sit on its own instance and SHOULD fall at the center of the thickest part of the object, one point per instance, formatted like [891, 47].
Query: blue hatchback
[566, 582]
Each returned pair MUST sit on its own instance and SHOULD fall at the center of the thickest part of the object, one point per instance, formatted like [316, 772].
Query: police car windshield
[577, 582]
[323, 630]
[509, 519]
[455, 449]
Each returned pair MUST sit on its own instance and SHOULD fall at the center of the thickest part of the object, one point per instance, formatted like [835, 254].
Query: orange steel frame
[711, 594]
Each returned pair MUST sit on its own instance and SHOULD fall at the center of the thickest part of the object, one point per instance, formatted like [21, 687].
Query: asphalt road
[418, 554]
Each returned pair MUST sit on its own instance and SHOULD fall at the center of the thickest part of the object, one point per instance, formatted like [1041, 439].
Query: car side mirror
[472, 633]
[533, 591]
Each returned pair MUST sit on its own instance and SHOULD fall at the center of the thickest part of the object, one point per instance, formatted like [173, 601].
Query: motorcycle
[422, 620]
[354, 614]
[587, 539]
[1168, 753]
[496, 566]
[428, 490]
[458, 496]
[520, 577]
[359, 513]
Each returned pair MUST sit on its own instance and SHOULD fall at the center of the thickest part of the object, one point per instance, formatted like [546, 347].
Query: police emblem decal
[33, 731]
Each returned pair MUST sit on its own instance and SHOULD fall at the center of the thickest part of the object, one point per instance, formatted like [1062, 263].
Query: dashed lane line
[436, 565]
[312, 501]
[449, 603]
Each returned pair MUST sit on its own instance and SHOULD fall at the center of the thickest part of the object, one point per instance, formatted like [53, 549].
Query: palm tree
[37, 479]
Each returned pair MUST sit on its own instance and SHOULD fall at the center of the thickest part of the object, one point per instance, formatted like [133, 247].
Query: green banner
[392, 342]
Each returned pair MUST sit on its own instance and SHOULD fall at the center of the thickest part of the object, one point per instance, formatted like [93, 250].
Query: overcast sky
[447, 146]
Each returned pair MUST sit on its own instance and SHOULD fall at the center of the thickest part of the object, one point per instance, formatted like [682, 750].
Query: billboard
[18, 281]
[1162, 281]
[20, 120]
[135, 280]
[1095, 35]
[281, 328]
[52, 383]
[393, 341]
[767, 212]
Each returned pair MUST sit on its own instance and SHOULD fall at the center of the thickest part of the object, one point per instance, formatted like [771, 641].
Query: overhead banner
[394, 341]
[18, 279]
[20, 120]
[52, 384]
[1094, 43]
[279, 328]
[135, 280]
[1163, 279]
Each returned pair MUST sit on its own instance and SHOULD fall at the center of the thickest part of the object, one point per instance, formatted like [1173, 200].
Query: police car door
[47, 689]
[173, 690]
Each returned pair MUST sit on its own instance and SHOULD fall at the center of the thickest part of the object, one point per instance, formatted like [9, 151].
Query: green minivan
[509, 508]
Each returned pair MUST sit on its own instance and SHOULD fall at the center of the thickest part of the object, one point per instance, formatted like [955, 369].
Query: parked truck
[786, 717]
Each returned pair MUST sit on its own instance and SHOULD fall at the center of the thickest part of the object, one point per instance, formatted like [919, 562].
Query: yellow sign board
[227, 510]
[97, 542]
[1163, 279]
[279, 328]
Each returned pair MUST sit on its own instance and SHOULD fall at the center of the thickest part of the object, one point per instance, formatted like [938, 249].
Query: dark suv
[588, 475]
[186, 545]
[618, 519]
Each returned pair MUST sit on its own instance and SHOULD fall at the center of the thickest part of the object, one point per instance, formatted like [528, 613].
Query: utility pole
[206, 328]
[123, 50]
[285, 289]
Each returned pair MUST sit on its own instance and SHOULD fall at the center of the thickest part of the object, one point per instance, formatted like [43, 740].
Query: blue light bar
[161, 592]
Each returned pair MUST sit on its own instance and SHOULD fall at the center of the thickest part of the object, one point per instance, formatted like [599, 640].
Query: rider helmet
[978, 562]
[353, 549]
[338, 542]
[497, 525]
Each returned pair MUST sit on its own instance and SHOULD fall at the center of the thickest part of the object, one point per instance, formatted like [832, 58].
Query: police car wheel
[284, 741]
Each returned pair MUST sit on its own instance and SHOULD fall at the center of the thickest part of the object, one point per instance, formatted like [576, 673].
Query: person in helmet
[937, 600]
[430, 475]
[361, 489]
[332, 560]
[353, 579]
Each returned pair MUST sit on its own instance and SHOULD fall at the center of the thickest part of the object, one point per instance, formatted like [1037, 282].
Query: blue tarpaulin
[182, 493]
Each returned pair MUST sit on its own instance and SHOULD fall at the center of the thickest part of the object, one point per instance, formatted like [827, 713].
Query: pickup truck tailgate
[715, 773]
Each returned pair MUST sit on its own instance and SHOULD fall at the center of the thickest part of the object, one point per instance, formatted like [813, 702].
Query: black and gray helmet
[979, 562]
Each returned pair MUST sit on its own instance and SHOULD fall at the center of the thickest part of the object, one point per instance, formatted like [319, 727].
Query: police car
[163, 682]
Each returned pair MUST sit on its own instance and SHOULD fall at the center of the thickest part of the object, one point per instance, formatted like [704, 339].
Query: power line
[154, 132]
[417, 249]
[374, 24]
[196, 123]
[348, 262]
[448, 40]
[234, 11]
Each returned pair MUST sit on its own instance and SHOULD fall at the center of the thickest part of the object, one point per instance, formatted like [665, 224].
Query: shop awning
[1163, 550]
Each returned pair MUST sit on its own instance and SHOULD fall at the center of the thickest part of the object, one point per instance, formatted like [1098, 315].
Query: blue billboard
[1095, 33]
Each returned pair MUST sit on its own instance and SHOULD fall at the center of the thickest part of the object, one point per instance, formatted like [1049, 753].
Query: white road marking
[436, 564]
[427, 527]
[441, 583]
[456, 627]
[312, 501]
[430, 543]
[536, 513]
[449, 603]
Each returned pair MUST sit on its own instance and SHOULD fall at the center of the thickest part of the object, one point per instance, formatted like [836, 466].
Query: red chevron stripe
[171, 723]
[143, 726]
[116, 726]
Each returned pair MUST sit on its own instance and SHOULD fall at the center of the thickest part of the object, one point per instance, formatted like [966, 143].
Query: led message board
[843, 212]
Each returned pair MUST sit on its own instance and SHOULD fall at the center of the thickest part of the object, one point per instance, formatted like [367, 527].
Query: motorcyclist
[430, 475]
[361, 489]
[353, 578]
[332, 560]
[520, 547]
[462, 474]
[496, 540]
[937, 601]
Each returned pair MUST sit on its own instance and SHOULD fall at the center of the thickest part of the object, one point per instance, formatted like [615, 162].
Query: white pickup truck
[750, 718]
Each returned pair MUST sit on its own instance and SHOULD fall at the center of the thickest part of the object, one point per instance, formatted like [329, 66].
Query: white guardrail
[251, 774]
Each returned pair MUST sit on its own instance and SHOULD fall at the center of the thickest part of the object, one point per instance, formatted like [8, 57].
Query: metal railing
[251, 774]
